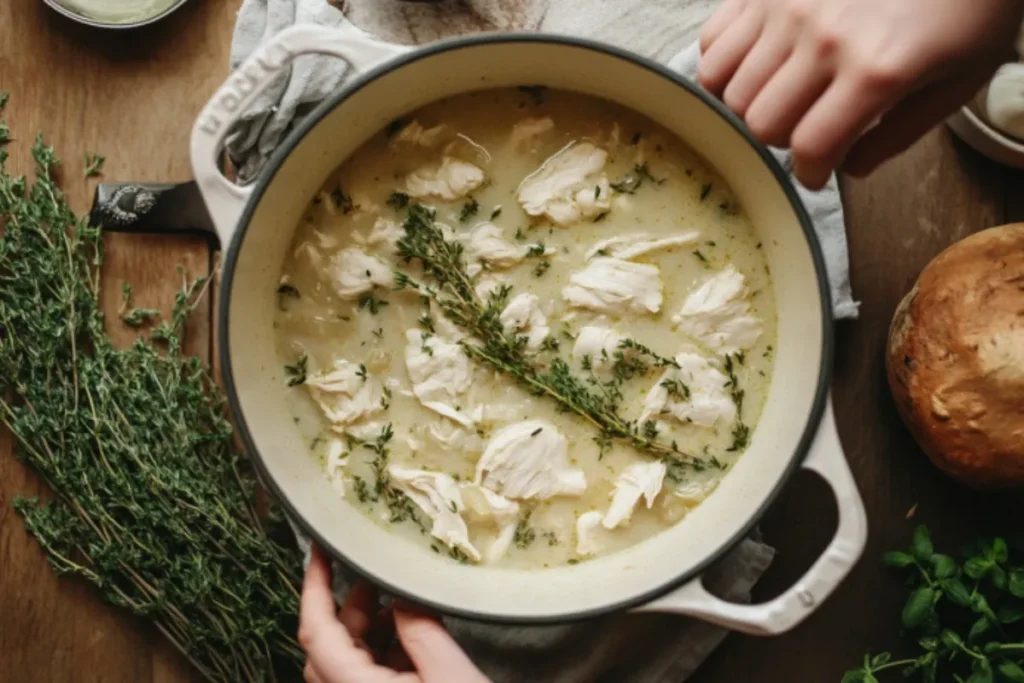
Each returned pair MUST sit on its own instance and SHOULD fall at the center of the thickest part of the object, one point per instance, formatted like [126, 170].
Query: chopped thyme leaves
[297, 371]
[361, 372]
[600, 217]
[427, 322]
[701, 257]
[458, 555]
[541, 268]
[496, 212]
[524, 534]
[632, 182]
[469, 209]
[635, 140]
[401, 508]
[385, 400]
[424, 347]
[368, 302]
[398, 200]
[362, 490]
[549, 344]
[443, 264]
[705, 191]
[740, 437]
[378, 333]
[676, 389]
[342, 201]
[650, 429]
[520, 235]
[535, 249]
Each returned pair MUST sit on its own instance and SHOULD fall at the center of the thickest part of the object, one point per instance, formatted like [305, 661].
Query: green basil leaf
[1011, 671]
[1010, 613]
[957, 592]
[998, 578]
[977, 567]
[920, 606]
[929, 671]
[1016, 583]
[981, 672]
[921, 545]
[1000, 553]
[951, 639]
[895, 558]
[979, 628]
[979, 605]
[854, 676]
[944, 566]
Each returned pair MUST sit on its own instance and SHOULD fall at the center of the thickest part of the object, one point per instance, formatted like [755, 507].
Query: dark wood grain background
[133, 96]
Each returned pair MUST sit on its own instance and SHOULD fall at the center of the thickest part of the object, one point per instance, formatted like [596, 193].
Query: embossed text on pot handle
[224, 199]
[828, 571]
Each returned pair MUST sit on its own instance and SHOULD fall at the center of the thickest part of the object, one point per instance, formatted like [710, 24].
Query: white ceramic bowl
[970, 125]
[662, 573]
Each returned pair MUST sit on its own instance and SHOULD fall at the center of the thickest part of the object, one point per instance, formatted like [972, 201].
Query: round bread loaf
[955, 359]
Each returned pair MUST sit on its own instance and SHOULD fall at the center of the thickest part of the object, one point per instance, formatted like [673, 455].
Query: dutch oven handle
[806, 595]
[211, 205]
[225, 200]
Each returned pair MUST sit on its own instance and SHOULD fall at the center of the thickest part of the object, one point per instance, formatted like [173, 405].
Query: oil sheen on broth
[585, 230]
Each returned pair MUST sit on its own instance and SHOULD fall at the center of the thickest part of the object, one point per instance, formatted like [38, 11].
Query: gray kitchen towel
[621, 647]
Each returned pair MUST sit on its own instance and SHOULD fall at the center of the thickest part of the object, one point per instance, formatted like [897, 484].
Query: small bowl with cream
[993, 121]
[115, 14]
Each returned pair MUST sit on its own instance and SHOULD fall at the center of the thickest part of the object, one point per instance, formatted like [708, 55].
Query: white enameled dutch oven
[661, 574]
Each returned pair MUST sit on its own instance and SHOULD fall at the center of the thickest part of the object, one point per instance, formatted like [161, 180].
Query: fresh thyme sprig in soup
[525, 328]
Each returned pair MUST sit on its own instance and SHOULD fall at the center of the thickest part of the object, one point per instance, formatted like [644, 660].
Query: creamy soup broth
[648, 187]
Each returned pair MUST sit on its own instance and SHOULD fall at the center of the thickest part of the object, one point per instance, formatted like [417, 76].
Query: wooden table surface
[133, 96]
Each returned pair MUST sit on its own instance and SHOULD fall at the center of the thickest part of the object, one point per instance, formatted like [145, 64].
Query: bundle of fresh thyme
[593, 399]
[151, 502]
[966, 616]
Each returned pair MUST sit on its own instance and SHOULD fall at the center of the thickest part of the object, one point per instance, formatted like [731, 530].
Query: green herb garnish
[297, 371]
[452, 289]
[524, 534]
[93, 164]
[965, 616]
[342, 201]
[371, 304]
[469, 209]
[151, 502]
[632, 182]
[397, 200]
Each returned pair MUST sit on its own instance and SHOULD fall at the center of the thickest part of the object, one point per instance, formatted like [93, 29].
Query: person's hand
[814, 75]
[357, 644]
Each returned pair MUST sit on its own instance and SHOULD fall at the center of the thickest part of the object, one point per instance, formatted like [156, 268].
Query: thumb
[434, 654]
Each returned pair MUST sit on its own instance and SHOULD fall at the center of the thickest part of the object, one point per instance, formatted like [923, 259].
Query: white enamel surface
[592, 585]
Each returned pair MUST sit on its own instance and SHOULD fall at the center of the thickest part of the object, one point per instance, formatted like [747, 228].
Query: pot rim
[269, 172]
